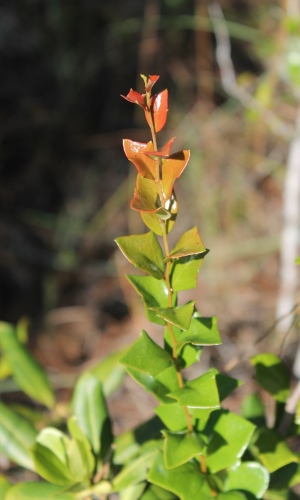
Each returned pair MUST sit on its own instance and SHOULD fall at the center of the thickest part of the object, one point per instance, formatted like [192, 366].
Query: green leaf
[4, 486]
[253, 409]
[134, 472]
[273, 375]
[179, 316]
[80, 457]
[154, 492]
[230, 438]
[248, 476]
[50, 465]
[179, 448]
[38, 491]
[134, 492]
[160, 385]
[153, 222]
[233, 495]
[146, 356]
[144, 252]
[201, 392]
[226, 385]
[185, 481]
[272, 451]
[285, 477]
[16, 437]
[110, 372]
[146, 195]
[190, 243]
[202, 332]
[172, 415]
[154, 293]
[26, 371]
[89, 407]
[189, 355]
[184, 272]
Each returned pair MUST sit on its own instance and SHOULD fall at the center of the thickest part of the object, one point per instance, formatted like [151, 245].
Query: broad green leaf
[190, 243]
[185, 481]
[4, 486]
[153, 222]
[134, 472]
[38, 491]
[179, 316]
[201, 392]
[154, 492]
[144, 252]
[272, 451]
[56, 441]
[110, 372]
[49, 465]
[233, 495]
[230, 438]
[253, 409]
[189, 355]
[285, 477]
[146, 356]
[154, 293]
[134, 492]
[180, 447]
[226, 385]
[202, 332]
[26, 371]
[248, 476]
[160, 385]
[80, 457]
[146, 196]
[16, 437]
[273, 375]
[202, 419]
[281, 495]
[184, 272]
[172, 415]
[90, 409]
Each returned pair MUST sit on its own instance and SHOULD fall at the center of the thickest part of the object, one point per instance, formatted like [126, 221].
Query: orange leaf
[159, 110]
[134, 151]
[163, 152]
[135, 97]
[172, 168]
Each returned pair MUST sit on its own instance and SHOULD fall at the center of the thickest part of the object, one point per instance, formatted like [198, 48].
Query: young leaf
[190, 243]
[90, 409]
[146, 197]
[145, 165]
[38, 491]
[152, 220]
[144, 252]
[201, 392]
[272, 451]
[146, 356]
[231, 435]
[180, 448]
[248, 476]
[159, 110]
[179, 316]
[26, 371]
[273, 375]
[184, 272]
[17, 435]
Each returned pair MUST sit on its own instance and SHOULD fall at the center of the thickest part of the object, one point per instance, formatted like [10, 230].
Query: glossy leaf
[159, 110]
[146, 196]
[152, 220]
[160, 385]
[135, 97]
[51, 465]
[146, 166]
[189, 355]
[273, 375]
[172, 415]
[134, 472]
[26, 371]
[185, 481]
[231, 436]
[179, 316]
[110, 372]
[90, 409]
[179, 448]
[190, 243]
[153, 292]
[144, 252]
[4, 486]
[79, 452]
[248, 476]
[38, 491]
[184, 272]
[164, 152]
[272, 451]
[146, 356]
[17, 435]
[201, 392]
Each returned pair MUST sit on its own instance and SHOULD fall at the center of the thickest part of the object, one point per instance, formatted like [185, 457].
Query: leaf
[179, 316]
[248, 476]
[184, 272]
[202, 332]
[254, 410]
[272, 451]
[144, 252]
[110, 372]
[134, 472]
[189, 355]
[4, 486]
[146, 196]
[80, 457]
[154, 492]
[51, 466]
[163, 152]
[153, 222]
[159, 110]
[16, 437]
[185, 481]
[179, 448]
[226, 385]
[172, 415]
[90, 409]
[154, 294]
[134, 492]
[160, 385]
[201, 392]
[26, 371]
[190, 243]
[38, 491]
[233, 495]
[273, 375]
[146, 356]
[231, 436]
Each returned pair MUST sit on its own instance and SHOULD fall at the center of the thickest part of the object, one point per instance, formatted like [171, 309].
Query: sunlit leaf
[4, 486]
[160, 385]
[190, 243]
[38, 491]
[272, 451]
[153, 292]
[248, 476]
[184, 271]
[164, 152]
[144, 252]
[180, 447]
[172, 415]
[273, 375]
[134, 472]
[146, 196]
[201, 392]
[179, 316]
[159, 108]
[153, 222]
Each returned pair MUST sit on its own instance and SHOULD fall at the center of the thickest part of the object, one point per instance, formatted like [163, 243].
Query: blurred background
[232, 68]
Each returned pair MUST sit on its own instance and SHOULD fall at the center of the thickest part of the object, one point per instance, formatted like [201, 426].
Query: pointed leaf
[152, 220]
[134, 472]
[17, 435]
[190, 243]
[202, 332]
[231, 436]
[81, 459]
[160, 385]
[144, 252]
[154, 492]
[146, 166]
[146, 356]
[146, 196]
[163, 152]
[184, 271]
[135, 97]
[49, 466]
[26, 371]
[89, 407]
[179, 316]
[172, 168]
[185, 481]
[172, 415]
[179, 448]
[38, 491]
[159, 110]
[248, 476]
[272, 451]
[201, 392]
[134, 492]
[273, 375]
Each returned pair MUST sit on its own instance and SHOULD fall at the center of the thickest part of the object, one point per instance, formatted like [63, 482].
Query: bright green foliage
[272, 451]
[184, 272]
[37, 491]
[273, 375]
[179, 448]
[247, 476]
[4, 486]
[201, 392]
[144, 252]
[179, 316]
[190, 243]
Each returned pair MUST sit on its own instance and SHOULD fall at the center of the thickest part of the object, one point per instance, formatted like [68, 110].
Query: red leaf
[134, 151]
[164, 152]
[159, 110]
[135, 97]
